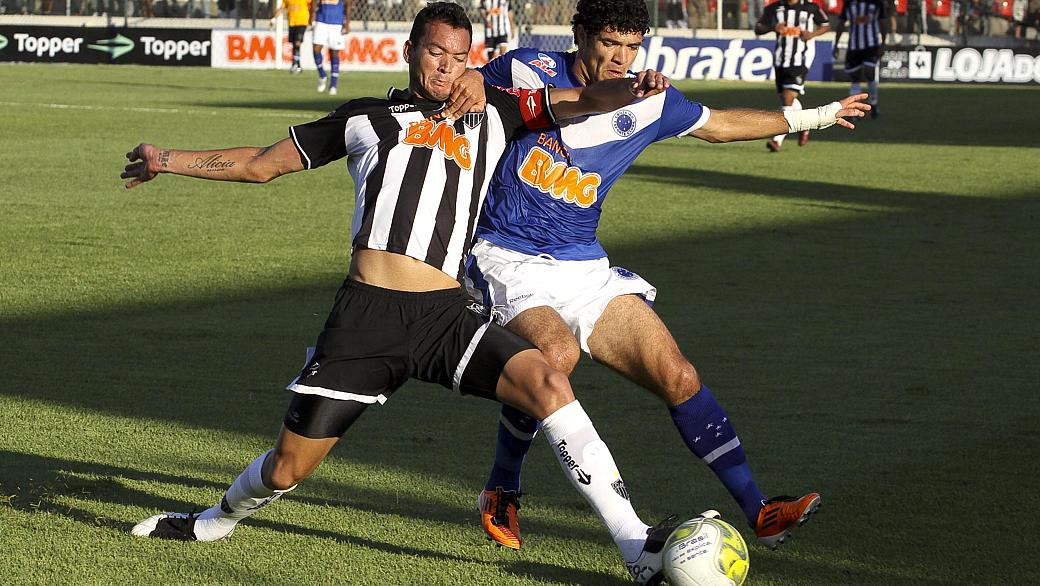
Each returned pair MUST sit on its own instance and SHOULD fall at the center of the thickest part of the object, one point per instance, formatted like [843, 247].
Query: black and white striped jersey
[419, 182]
[496, 18]
[791, 50]
[864, 18]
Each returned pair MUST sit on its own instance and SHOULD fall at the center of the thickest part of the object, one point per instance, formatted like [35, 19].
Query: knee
[286, 472]
[563, 356]
[679, 383]
[551, 390]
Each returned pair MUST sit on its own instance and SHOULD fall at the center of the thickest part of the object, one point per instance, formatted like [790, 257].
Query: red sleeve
[522, 108]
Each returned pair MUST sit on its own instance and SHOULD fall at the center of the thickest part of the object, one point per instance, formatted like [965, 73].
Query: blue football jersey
[547, 194]
[330, 11]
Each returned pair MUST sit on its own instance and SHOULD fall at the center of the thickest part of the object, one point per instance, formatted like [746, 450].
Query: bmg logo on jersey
[541, 171]
[440, 136]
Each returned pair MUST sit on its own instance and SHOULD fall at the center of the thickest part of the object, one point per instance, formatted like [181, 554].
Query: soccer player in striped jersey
[298, 14]
[538, 261]
[330, 20]
[796, 23]
[498, 26]
[419, 182]
[868, 32]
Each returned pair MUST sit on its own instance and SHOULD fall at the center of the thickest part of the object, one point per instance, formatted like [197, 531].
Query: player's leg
[870, 71]
[267, 477]
[336, 44]
[528, 383]
[319, 40]
[774, 143]
[544, 328]
[631, 339]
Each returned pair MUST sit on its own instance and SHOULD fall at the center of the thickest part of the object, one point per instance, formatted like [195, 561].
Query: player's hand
[145, 162]
[805, 35]
[852, 107]
[649, 83]
[780, 28]
[467, 95]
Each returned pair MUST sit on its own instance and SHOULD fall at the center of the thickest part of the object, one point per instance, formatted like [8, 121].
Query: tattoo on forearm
[164, 159]
[211, 163]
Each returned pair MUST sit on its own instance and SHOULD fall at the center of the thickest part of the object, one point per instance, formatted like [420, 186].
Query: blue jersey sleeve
[681, 115]
[499, 72]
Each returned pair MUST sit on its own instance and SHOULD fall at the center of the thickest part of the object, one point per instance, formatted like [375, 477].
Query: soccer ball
[705, 552]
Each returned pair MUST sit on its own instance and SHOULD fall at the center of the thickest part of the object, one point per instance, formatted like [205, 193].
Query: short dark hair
[447, 12]
[623, 16]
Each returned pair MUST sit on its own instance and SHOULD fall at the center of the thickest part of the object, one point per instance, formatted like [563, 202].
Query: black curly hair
[447, 12]
[623, 16]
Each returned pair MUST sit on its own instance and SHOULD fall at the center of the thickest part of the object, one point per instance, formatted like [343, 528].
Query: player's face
[437, 60]
[606, 55]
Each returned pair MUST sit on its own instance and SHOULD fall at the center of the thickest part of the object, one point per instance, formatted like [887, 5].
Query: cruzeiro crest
[624, 123]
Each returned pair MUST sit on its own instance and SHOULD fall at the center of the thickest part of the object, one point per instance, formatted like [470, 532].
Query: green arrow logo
[3, 42]
[116, 46]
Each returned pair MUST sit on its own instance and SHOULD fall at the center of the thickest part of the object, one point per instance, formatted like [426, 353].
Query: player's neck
[578, 71]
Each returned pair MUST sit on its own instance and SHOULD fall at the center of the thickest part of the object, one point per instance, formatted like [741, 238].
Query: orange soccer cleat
[782, 514]
[498, 516]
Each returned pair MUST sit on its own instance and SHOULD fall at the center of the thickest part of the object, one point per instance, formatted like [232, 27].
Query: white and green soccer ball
[705, 551]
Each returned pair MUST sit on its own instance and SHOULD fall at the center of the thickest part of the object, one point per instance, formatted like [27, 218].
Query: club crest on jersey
[624, 273]
[545, 63]
[440, 136]
[624, 123]
[541, 171]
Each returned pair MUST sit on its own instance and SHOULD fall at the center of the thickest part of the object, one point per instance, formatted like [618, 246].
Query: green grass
[866, 311]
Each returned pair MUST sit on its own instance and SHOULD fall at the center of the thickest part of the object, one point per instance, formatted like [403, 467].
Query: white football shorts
[579, 290]
[328, 35]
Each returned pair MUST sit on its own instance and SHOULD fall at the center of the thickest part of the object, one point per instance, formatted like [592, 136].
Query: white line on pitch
[299, 115]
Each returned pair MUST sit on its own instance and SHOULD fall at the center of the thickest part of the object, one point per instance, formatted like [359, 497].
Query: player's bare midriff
[390, 270]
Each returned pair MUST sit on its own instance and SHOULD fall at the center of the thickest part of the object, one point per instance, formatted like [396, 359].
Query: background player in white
[401, 312]
[868, 32]
[795, 22]
[538, 261]
[498, 26]
[330, 20]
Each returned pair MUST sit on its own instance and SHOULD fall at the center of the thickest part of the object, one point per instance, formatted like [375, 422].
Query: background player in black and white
[400, 314]
[868, 32]
[796, 23]
[498, 26]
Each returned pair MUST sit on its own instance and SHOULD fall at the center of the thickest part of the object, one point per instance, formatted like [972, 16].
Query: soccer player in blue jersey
[330, 20]
[538, 262]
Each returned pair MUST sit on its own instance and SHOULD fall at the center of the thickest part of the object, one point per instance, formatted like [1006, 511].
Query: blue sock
[317, 63]
[516, 431]
[334, 64]
[707, 431]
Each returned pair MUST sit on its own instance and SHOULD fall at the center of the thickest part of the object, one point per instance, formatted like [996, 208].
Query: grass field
[867, 312]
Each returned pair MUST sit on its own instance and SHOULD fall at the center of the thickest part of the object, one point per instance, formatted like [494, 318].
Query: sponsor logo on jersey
[440, 136]
[555, 178]
[624, 123]
[544, 63]
[570, 464]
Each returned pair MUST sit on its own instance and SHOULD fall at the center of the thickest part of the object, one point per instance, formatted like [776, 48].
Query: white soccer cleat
[322, 83]
[333, 91]
[648, 568]
[177, 526]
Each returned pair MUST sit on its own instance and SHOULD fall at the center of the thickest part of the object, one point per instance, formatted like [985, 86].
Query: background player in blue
[540, 265]
[331, 22]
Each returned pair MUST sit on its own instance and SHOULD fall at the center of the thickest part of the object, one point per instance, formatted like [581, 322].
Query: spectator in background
[916, 17]
[1018, 17]
[675, 14]
[298, 15]
[498, 26]
[331, 22]
[754, 13]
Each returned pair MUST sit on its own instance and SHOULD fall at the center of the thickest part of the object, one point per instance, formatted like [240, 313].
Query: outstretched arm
[740, 124]
[607, 95]
[245, 164]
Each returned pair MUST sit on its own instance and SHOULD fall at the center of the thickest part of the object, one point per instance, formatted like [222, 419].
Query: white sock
[247, 495]
[872, 90]
[854, 89]
[587, 462]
